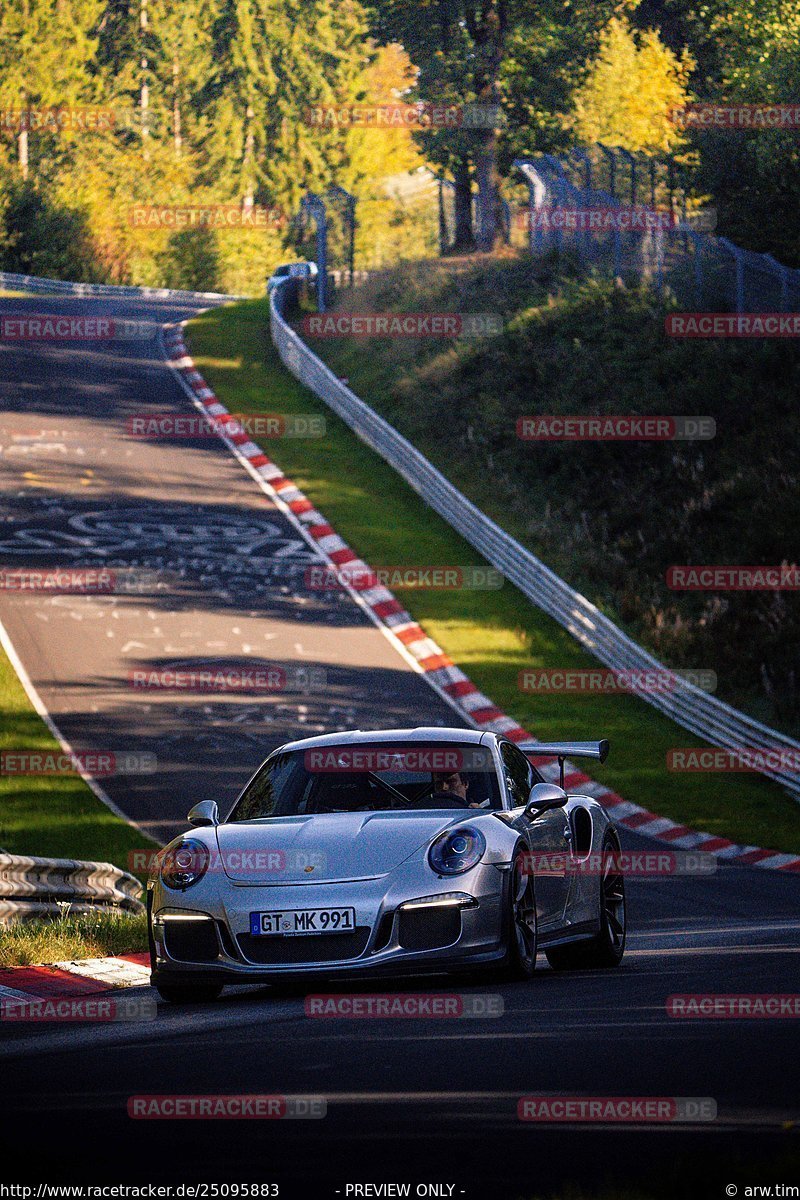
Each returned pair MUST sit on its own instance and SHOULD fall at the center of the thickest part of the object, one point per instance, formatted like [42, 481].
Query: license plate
[303, 921]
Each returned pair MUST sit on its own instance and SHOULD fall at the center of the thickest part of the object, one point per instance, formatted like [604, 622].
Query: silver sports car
[400, 851]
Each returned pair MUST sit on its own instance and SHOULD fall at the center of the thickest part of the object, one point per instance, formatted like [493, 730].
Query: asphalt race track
[415, 1101]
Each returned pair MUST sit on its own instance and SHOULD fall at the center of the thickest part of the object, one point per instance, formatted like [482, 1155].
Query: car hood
[326, 847]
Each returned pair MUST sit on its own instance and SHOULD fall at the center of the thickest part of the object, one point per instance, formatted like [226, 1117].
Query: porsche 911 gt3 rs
[391, 852]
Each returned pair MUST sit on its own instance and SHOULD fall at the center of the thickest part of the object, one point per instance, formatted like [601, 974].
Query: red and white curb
[419, 649]
[83, 977]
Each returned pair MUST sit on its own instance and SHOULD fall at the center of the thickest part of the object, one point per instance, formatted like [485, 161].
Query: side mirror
[543, 797]
[204, 813]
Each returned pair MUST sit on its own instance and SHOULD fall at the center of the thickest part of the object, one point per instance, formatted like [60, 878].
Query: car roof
[423, 733]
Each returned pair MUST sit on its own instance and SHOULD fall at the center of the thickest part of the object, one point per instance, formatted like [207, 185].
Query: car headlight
[457, 850]
[184, 863]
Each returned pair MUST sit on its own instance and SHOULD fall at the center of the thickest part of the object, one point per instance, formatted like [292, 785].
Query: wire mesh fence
[635, 219]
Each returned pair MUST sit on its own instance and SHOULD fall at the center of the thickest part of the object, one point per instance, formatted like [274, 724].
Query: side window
[519, 774]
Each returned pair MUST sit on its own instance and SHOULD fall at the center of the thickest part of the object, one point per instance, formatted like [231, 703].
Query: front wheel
[608, 946]
[178, 993]
[521, 946]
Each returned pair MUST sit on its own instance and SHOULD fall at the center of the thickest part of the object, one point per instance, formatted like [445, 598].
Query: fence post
[631, 160]
[738, 259]
[583, 157]
[783, 273]
[350, 215]
[442, 225]
[315, 208]
[537, 195]
[612, 169]
[698, 270]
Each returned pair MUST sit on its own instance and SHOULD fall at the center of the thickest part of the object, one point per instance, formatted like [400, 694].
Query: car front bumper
[203, 935]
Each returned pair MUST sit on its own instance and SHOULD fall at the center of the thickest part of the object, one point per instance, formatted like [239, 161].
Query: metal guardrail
[701, 713]
[37, 887]
[33, 283]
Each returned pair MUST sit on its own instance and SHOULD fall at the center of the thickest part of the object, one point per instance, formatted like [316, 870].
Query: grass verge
[70, 936]
[491, 635]
[52, 816]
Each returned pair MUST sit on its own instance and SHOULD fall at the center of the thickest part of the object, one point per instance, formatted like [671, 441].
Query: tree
[632, 85]
[45, 50]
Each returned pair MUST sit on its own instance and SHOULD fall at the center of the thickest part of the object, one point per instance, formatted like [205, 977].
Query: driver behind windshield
[455, 784]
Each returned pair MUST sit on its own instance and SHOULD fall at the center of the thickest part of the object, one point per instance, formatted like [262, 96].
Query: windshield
[346, 779]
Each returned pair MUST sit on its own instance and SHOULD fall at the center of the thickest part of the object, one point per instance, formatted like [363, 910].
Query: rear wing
[563, 750]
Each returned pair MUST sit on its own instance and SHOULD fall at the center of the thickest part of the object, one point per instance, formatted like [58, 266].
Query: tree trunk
[249, 152]
[489, 231]
[176, 108]
[464, 234]
[22, 147]
[487, 22]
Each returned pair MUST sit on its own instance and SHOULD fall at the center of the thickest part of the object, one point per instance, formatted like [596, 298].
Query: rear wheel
[521, 946]
[608, 947]
[178, 993]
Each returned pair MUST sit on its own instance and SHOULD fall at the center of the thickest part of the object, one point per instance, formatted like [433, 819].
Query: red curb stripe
[576, 779]
[258, 460]
[482, 715]
[791, 866]
[387, 608]
[340, 557]
[462, 687]
[677, 831]
[299, 506]
[754, 856]
[716, 843]
[140, 958]
[50, 981]
[435, 661]
[610, 800]
[413, 634]
[320, 531]
[637, 819]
